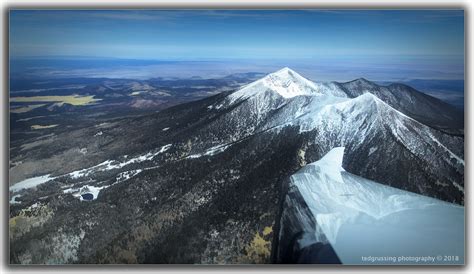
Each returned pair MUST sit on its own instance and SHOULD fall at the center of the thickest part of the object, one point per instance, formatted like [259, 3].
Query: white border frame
[236, 4]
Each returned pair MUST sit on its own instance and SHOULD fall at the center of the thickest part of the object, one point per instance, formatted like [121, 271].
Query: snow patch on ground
[13, 199]
[372, 150]
[458, 186]
[31, 182]
[123, 176]
[113, 164]
[451, 154]
[210, 152]
[78, 192]
[164, 148]
[95, 190]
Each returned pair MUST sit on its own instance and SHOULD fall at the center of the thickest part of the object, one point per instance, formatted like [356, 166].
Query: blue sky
[218, 34]
[432, 39]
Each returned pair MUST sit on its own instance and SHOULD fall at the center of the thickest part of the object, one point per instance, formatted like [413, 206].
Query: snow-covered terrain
[211, 151]
[30, 183]
[418, 105]
[13, 199]
[102, 167]
[362, 218]
[87, 189]
[111, 164]
[337, 118]
[215, 181]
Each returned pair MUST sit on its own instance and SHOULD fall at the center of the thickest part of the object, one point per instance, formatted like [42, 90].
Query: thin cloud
[146, 15]
[127, 16]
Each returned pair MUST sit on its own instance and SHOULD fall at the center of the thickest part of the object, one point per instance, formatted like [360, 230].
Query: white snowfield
[30, 183]
[362, 218]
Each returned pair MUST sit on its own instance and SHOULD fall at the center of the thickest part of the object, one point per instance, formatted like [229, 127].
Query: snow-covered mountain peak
[284, 82]
[284, 72]
[288, 83]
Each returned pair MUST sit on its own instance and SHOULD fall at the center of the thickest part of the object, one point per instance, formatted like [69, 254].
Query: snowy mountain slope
[288, 84]
[275, 89]
[358, 217]
[420, 106]
[381, 138]
[250, 109]
[356, 119]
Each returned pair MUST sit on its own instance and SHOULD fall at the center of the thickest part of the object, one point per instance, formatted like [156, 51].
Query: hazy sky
[205, 34]
[325, 44]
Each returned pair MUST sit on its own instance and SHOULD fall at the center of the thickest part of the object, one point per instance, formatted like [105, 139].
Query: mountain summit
[285, 82]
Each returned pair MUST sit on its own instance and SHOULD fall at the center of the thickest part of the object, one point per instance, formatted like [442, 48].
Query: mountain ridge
[422, 107]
